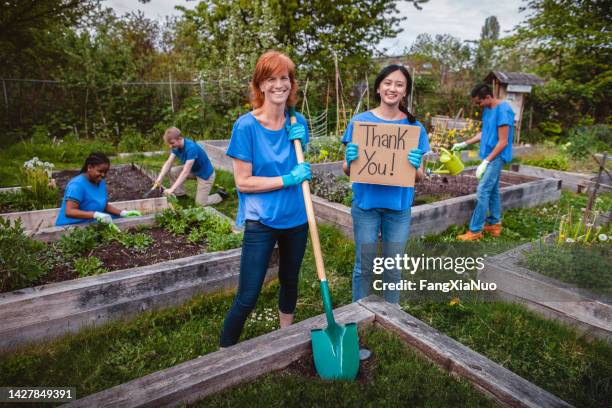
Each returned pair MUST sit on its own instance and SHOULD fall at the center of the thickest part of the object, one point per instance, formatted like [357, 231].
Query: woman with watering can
[378, 209]
[270, 201]
[495, 150]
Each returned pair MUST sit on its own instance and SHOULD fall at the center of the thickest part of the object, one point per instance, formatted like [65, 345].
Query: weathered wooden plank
[502, 384]
[198, 378]
[588, 312]
[438, 216]
[42, 219]
[48, 311]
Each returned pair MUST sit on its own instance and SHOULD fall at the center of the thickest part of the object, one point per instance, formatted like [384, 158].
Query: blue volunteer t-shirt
[90, 196]
[202, 167]
[271, 154]
[368, 196]
[492, 119]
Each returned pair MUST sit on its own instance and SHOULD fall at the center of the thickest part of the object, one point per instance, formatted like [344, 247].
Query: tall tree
[27, 31]
[569, 44]
[451, 54]
[484, 56]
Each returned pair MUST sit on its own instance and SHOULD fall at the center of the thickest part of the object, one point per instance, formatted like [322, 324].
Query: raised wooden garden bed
[575, 182]
[196, 379]
[48, 311]
[517, 191]
[589, 312]
[216, 153]
[126, 185]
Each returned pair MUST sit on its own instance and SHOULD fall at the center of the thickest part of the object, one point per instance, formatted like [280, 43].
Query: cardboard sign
[383, 152]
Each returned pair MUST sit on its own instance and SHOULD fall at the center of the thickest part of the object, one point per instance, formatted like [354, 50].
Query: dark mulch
[305, 367]
[122, 183]
[453, 186]
[115, 256]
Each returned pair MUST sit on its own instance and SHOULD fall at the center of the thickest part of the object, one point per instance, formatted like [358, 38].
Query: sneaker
[495, 229]
[222, 193]
[469, 236]
[364, 354]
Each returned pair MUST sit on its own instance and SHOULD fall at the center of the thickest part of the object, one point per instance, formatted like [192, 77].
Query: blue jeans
[487, 196]
[394, 227]
[257, 246]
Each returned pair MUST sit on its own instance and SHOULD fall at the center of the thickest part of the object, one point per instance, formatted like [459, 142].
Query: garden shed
[512, 87]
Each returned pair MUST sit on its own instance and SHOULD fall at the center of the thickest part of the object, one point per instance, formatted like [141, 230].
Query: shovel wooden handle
[312, 222]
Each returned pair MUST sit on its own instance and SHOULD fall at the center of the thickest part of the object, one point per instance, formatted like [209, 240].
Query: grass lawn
[395, 376]
[587, 267]
[99, 358]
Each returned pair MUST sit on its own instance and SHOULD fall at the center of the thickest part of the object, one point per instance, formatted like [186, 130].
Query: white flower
[602, 237]
[569, 240]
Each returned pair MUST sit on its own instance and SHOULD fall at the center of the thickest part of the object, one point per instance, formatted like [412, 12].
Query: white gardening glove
[458, 146]
[482, 167]
[104, 218]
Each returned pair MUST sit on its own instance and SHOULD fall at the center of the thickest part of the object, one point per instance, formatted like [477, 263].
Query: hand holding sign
[383, 149]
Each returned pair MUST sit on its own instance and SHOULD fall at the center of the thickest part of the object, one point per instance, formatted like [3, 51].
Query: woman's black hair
[385, 72]
[95, 159]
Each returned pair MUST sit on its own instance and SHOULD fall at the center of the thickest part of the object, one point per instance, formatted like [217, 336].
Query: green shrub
[133, 141]
[557, 162]
[22, 260]
[583, 140]
[89, 266]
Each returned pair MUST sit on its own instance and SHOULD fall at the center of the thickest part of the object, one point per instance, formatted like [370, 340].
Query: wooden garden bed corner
[196, 379]
[506, 387]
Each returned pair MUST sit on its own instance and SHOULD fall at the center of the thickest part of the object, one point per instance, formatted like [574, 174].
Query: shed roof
[514, 78]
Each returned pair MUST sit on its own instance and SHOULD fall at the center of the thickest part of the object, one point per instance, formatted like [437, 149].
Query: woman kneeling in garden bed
[85, 198]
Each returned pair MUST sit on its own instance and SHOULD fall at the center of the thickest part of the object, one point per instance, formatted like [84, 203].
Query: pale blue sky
[461, 18]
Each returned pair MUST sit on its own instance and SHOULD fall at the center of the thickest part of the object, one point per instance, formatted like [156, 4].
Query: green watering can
[451, 163]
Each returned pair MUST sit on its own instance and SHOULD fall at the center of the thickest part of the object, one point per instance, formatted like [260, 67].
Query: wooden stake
[171, 95]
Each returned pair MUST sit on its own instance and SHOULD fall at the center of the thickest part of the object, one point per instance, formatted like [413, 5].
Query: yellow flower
[454, 302]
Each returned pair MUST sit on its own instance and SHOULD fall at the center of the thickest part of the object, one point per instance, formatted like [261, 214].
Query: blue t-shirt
[271, 154]
[492, 119]
[202, 167]
[90, 196]
[368, 196]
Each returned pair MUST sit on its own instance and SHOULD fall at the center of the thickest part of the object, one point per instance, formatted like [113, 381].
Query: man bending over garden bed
[196, 164]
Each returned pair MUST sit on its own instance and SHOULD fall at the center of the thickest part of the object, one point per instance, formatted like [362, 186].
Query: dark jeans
[257, 246]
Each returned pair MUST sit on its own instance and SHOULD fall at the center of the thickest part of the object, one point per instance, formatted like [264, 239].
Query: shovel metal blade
[336, 351]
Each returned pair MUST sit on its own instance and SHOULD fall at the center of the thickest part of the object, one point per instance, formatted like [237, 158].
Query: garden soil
[115, 256]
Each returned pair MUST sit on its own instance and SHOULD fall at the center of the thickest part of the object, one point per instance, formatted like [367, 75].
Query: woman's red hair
[269, 64]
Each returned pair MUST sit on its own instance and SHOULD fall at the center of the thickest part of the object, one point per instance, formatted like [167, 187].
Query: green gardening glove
[130, 213]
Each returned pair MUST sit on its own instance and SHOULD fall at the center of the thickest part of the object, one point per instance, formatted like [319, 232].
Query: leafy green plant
[89, 266]
[332, 188]
[22, 260]
[200, 224]
[325, 150]
[138, 241]
[79, 241]
[223, 242]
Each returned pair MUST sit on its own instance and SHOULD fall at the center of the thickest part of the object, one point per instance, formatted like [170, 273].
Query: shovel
[148, 193]
[336, 348]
